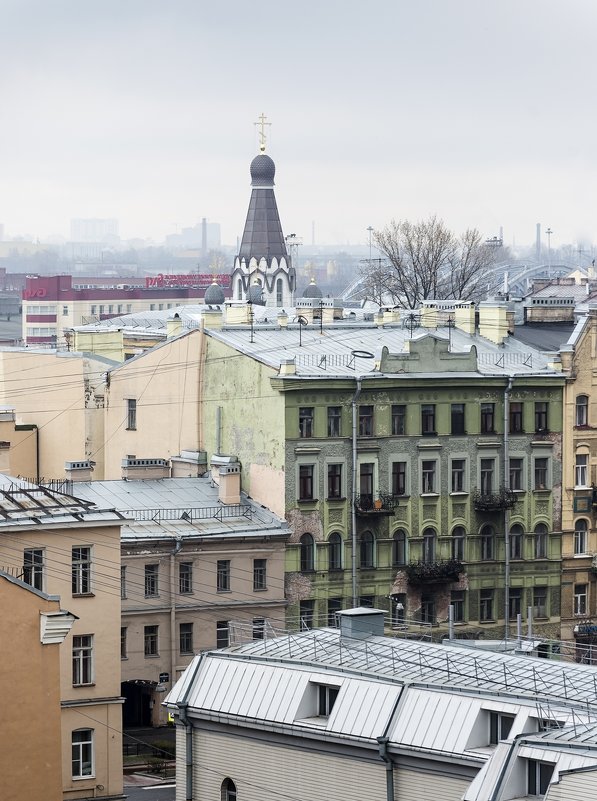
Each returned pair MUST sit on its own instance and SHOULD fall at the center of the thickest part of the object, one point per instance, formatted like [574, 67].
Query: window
[581, 471]
[334, 421]
[65, 311]
[486, 605]
[150, 640]
[306, 417]
[499, 726]
[306, 473]
[239, 290]
[540, 602]
[335, 551]
[222, 634]
[581, 418]
[334, 481]
[102, 308]
[122, 582]
[398, 478]
[457, 601]
[487, 544]
[458, 543]
[82, 659]
[33, 567]
[185, 578]
[326, 697]
[334, 606]
[82, 753]
[228, 791]
[515, 468]
[398, 420]
[123, 642]
[259, 575]
[458, 468]
[487, 473]
[93, 309]
[365, 421]
[514, 602]
[580, 537]
[81, 570]
[541, 416]
[399, 547]
[429, 539]
[540, 541]
[279, 292]
[366, 484]
[457, 418]
[367, 549]
[367, 601]
[538, 777]
[428, 477]
[580, 599]
[541, 466]
[428, 418]
[515, 539]
[131, 414]
[307, 614]
[427, 609]
[223, 575]
[516, 418]
[152, 587]
[307, 553]
[185, 638]
[488, 418]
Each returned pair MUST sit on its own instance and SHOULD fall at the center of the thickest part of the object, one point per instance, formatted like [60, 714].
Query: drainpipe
[218, 429]
[37, 476]
[383, 752]
[173, 554]
[182, 715]
[200, 372]
[506, 510]
[353, 498]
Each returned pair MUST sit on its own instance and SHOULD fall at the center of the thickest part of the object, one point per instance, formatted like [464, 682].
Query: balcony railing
[434, 572]
[372, 504]
[493, 501]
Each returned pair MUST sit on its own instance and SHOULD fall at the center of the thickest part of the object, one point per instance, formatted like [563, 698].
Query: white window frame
[77, 754]
[83, 667]
[580, 538]
[581, 600]
[34, 569]
[581, 470]
[81, 582]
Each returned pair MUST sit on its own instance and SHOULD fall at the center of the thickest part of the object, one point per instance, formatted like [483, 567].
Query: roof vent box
[361, 623]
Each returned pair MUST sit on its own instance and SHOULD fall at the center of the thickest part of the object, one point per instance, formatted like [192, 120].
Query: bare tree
[424, 261]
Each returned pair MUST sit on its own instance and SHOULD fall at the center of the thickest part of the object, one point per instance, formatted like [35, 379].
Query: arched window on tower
[239, 289]
[228, 791]
[279, 292]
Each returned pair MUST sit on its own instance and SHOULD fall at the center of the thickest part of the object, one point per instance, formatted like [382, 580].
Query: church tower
[263, 271]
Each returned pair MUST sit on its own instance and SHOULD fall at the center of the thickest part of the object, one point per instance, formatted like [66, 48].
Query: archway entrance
[138, 703]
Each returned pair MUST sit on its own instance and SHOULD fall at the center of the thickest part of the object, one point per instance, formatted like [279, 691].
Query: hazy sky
[481, 112]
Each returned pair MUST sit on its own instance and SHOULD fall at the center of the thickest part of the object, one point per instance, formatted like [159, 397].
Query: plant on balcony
[494, 501]
[434, 572]
[377, 503]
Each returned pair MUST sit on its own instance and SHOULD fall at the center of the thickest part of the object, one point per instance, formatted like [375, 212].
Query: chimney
[391, 316]
[287, 367]
[173, 326]
[428, 313]
[361, 623]
[566, 354]
[464, 317]
[493, 321]
[282, 319]
[213, 318]
[229, 483]
[79, 471]
[237, 313]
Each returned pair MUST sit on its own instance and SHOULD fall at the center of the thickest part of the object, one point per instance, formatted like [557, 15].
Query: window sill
[429, 495]
[259, 589]
[152, 596]
[581, 555]
[83, 595]
[541, 490]
[222, 592]
[459, 492]
[85, 684]
[487, 622]
[307, 500]
[152, 656]
[84, 778]
[336, 499]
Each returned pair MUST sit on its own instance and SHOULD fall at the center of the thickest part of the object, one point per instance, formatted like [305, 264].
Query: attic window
[326, 698]
[499, 727]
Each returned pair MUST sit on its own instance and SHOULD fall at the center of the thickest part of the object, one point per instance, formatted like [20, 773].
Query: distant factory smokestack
[538, 243]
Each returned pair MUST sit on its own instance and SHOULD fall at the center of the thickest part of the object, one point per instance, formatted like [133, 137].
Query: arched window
[307, 553]
[582, 411]
[580, 537]
[540, 541]
[516, 534]
[458, 543]
[279, 292]
[429, 538]
[367, 549]
[228, 791]
[399, 547]
[487, 543]
[239, 289]
[335, 551]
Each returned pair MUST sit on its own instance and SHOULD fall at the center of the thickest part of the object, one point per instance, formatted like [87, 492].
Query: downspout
[383, 749]
[173, 554]
[353, 498]
[201, 365]
[37, 475]
[506, 486]
[182, 715]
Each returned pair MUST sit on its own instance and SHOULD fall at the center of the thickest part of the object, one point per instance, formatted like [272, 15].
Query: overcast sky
[481, 112]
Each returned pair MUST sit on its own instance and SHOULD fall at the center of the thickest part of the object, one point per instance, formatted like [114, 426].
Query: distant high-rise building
[205, 235]
[1, 232]
[94, 230]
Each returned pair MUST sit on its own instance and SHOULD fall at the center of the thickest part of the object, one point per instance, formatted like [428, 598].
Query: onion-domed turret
[312, 291]
[214, 294]
[263, 170]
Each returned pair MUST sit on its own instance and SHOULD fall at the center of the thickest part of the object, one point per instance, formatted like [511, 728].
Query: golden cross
[262, 123]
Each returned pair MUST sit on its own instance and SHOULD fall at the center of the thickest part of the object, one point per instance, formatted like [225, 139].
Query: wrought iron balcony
[375, 504]
[493, 501]
[434, 572]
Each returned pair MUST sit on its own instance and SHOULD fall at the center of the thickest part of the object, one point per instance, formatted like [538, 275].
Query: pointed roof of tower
[262, 236]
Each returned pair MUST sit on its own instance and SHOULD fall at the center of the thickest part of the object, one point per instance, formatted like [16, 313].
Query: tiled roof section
[263, 237]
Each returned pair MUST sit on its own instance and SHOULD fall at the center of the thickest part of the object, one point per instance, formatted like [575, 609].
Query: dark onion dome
[263, 170]
[214, 295]
[255, 294]
[312, 291]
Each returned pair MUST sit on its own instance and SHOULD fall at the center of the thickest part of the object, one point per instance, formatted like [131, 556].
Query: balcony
[434, 572]
[378, 504]
[493, 501]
